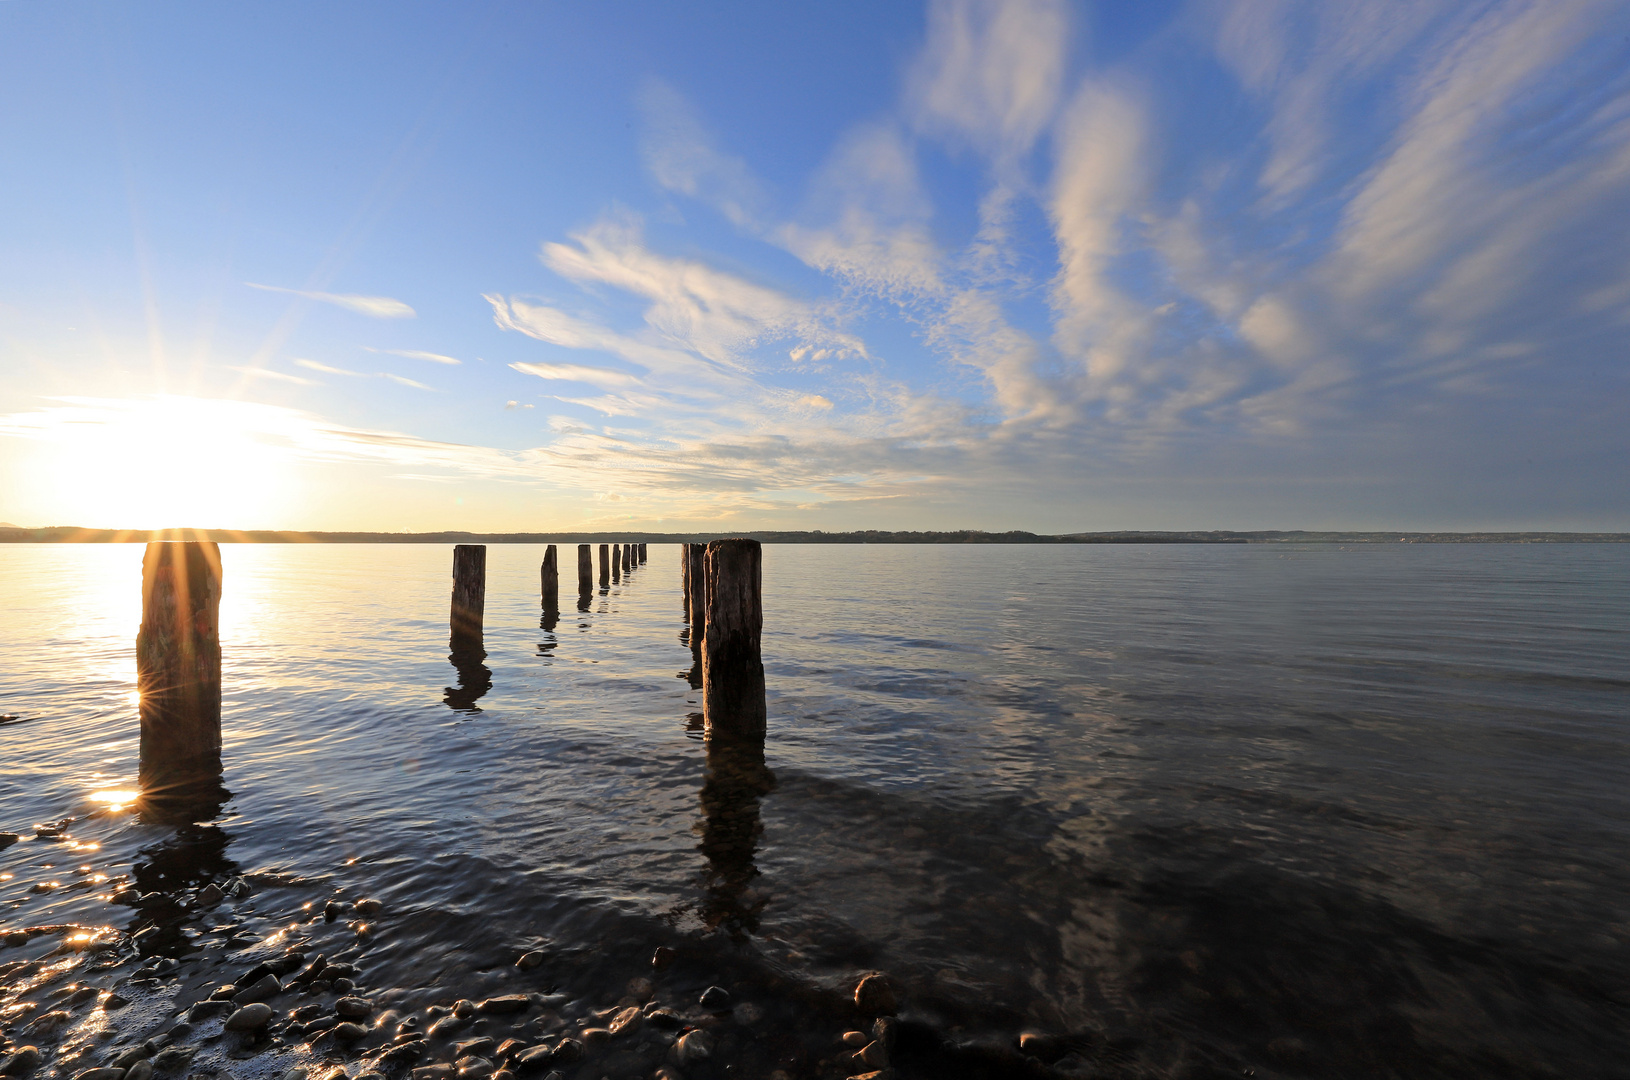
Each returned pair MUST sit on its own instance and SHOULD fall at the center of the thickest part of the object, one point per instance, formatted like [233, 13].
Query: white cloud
[682, 157]
[326, 369]
[278, 376]
[577, 373]
[414, 354]
[378, 307]
[403, 380]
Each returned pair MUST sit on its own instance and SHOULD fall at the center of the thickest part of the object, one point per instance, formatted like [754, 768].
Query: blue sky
[510, 266]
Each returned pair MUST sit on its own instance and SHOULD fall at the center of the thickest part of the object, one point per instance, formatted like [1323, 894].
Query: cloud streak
[375, 307]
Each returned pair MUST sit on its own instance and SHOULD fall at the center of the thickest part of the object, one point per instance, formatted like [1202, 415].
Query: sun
[164, 462]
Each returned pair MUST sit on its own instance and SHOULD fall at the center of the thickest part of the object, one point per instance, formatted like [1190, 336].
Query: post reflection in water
[193, 857]
[474, 680]
[168, 798]
[736, 780]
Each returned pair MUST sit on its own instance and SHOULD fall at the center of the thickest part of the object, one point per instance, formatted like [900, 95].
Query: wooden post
[684, 580]
[733, 707]
[585, 570]
[178, 666]
[551, 580]
[605, 565]
[642, 553]
[616, 562]
[469, 597]
[697, 593]
[628, 558]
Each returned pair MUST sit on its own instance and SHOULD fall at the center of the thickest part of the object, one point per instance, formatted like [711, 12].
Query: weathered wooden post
[628, 558]
[696, 587]
[469, 597]
[616, 562]
[605, 565]
[733, 708]
[551, 580]
[178, 667]
[684, 580]
[642, 553]
[585, 570]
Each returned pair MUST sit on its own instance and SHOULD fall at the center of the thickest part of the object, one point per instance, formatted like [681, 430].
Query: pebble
[369, 906]
[715, 999]
[296, 1073]
[344, 985]
[332, 910]
[434, 1072]
[49, 1022]
[506, 1003]
[447, 1025]
[251, 1017]
[856, 1038]
[211, 894]
[535, 1058]
[349, 1032]
[640, 987]
[100, 1074]
[883, 1029]
[84, 994]
[264, 990]
[464, 1007]
[662, 957]
[503, 1074]
[530, 960]
[15, 938]
[253, 976]
[174, 1057]
[510, 1046]
[354, 1008]
[142, 1070]
[666, 1020]
[627, 1022]
[474, 1068]
[874, 1056]
[114, 1001]
[205, 1009]
[23, 1059]
[8, 838]
[693, 1048]
[473, 1047]
[874, 995]
[595, 1036]
[880, 1074]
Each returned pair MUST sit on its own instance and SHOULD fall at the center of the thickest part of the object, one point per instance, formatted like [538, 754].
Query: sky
[1001, 264]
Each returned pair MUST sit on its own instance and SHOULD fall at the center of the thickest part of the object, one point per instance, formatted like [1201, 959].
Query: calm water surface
[1305, 811]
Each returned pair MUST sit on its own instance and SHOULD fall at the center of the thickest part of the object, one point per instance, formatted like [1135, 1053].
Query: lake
[1198, 810]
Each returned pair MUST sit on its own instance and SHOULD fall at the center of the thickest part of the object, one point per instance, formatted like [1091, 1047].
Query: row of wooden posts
[178, 649]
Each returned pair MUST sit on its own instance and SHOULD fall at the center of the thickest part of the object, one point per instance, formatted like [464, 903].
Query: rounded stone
[251, 1017]
[874, 995]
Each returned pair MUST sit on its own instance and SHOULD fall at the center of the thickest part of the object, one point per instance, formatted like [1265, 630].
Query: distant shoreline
[72, 535]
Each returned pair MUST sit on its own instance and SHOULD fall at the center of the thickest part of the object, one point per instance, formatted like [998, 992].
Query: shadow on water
[474, 680]
[735, 782]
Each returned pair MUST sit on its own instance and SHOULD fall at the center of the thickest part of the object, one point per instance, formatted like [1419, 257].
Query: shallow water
[1298, 810]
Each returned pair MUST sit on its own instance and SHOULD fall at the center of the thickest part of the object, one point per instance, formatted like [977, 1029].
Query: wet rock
[534, 1059]
[297, 1073]
[174, 1057]
[343, 985]
[595, 1036]
[503, 1074]
[114, 1001]
[341, 970]
[510, 1047]
[667, 1072]
[464, 1008]
[530, 960]
[349, 1032]
[693, 1048]
[369, 906]
[715, 999]
[224, 993]
[883, 1030]
[320, 1024]
[179, 1030]
[874, 995]
[311, 971]
[547, 1001]
[506, 1003]
[46, 1024]
[874, 1056]
[129, 1057]
[16, 938]
[627, 1022]
[474, 1068]
[434, 1072]
[142, 1070]
[286, 965]
[370, 1076]
[24, 1059]
[1044, 1048]
[251, 1017]
[662, 957]
[856, 1039]
[203, 1010]
[332, 910]
[665, 1020]
[82, 995]
[105, 1073]
[640, 987]
[253, 976]
[473, 1047]
[447, 1025]
[7, 839]
[211, 894]
[264, 990]
[880, 1074]
[568, 1051]
[354, 1008]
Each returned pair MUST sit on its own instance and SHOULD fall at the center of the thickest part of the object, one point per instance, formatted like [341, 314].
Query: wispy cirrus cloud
[276, 376]
[376, 307]
[415, 354]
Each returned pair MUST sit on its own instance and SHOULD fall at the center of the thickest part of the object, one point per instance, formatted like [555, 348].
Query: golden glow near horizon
[159, 463]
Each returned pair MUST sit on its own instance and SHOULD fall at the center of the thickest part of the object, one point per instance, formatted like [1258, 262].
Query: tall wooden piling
[642, 553]
[696, 592]
[616, 562]
[551, 580]
[628, 558]
[585, 570]
[178, 666]
[605, 565]
[469, 598]
[733, 706]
